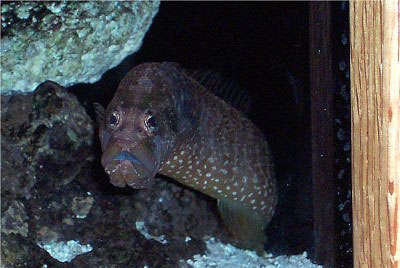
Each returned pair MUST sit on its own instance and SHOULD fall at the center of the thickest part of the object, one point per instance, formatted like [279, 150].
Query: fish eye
[150, 122]
[113, 119]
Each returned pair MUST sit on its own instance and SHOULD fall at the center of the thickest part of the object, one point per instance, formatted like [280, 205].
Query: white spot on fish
[234, 193]
[208, 175]
[175, 157]
[253, 201]
[224, 171]
[226, 162]
[182, 152]
[211, 160]
[228, 188]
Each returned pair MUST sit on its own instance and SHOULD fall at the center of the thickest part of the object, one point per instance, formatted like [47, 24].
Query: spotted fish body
[161, 120]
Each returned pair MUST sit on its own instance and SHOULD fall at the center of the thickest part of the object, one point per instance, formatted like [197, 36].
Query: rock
[44, 135]
[81, 206]
[14, 220]
[17, 176]
[68, 42]
[59, 207]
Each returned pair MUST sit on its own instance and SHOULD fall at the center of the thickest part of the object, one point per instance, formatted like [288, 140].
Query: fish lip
[121, 175]
[125, 155]
[126, 169]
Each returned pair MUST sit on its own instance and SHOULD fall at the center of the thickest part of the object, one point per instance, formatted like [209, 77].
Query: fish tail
[246, 226]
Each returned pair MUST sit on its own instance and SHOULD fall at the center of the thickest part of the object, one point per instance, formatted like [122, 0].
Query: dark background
[264, 45]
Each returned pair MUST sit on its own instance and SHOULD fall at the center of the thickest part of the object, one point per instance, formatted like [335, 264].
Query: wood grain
[375, 90]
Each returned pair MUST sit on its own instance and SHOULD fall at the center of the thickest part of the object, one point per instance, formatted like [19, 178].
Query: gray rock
[45, 135]
[68, 42]
[14, 219]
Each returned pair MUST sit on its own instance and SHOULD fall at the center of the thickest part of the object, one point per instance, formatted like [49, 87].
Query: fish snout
[127, 169]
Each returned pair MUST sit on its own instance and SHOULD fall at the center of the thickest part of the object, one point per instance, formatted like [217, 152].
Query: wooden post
[375, 89]
[322, 120]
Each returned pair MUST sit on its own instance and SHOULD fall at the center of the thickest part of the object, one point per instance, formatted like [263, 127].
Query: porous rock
[46, 136]
[14, 219]
[68, 41]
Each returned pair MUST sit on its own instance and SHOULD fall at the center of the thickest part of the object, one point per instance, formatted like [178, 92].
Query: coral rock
[68, 42]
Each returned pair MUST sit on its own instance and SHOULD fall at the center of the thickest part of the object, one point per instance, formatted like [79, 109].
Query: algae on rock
[68, 42]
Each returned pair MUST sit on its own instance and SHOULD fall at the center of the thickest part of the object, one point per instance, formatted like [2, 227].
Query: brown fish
[161, 120]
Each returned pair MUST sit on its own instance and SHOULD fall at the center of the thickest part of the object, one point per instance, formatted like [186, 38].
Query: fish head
[133, 143]
[138, 130]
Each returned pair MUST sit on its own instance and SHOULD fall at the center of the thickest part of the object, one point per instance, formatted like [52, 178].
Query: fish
[162, 120]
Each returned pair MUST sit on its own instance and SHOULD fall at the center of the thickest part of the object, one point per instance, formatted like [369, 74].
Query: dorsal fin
[227, 89]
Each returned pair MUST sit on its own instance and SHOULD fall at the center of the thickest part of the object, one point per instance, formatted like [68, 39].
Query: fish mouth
[125, 155]
[127, 169]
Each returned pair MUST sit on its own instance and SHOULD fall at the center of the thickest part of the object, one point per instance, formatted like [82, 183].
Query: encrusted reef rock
[59, 209]
[69, 41]
[46, 138]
